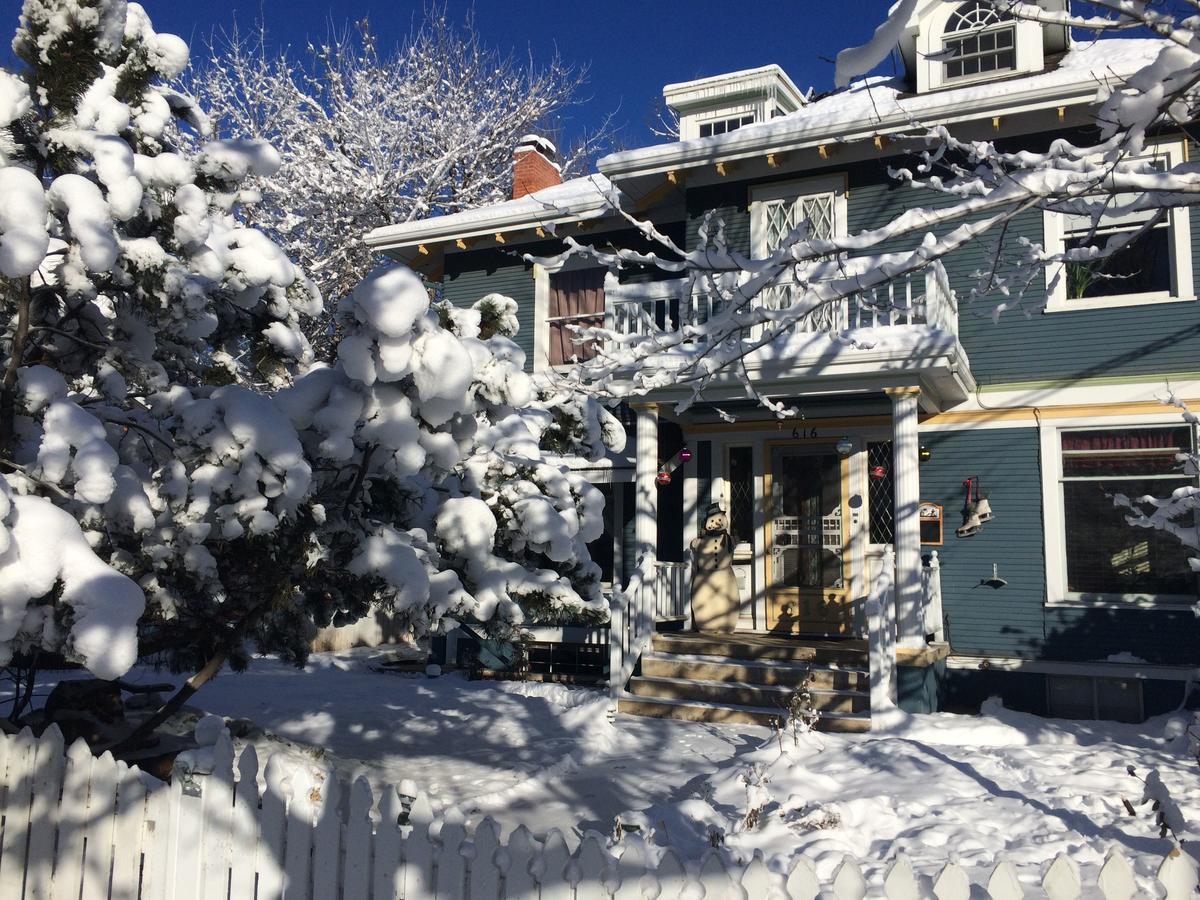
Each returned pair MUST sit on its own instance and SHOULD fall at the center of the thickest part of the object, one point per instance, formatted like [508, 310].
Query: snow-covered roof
[572, 201]
[684, 93]
[879, 105]
[869, 107]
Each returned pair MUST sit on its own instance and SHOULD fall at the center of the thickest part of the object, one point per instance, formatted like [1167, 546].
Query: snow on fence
[86, 828]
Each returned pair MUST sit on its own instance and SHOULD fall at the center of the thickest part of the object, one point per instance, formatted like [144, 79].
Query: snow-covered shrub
[174, 466]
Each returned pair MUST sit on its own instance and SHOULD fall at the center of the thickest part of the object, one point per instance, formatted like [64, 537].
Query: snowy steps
[749, 679]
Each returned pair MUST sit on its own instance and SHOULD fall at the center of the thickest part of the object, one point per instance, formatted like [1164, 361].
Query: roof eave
[746, 143]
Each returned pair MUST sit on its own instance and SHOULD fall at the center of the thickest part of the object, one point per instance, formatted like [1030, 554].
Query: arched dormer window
[979, 39]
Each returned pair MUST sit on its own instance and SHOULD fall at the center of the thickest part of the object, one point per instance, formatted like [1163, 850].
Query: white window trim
[1182, 287]
[761, 195]
[1054, 518]
[994, 28]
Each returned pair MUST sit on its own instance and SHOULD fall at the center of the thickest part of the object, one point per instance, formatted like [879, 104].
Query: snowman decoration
[715, 596]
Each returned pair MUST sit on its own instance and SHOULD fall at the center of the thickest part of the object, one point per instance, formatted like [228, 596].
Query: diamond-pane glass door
[808, 566]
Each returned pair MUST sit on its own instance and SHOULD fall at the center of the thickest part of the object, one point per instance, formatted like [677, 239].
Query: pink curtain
[1128, 439]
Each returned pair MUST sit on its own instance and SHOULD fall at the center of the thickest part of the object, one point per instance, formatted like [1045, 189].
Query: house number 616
[806, 433]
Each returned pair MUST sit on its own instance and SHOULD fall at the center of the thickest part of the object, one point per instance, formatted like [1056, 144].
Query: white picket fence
[76, 827]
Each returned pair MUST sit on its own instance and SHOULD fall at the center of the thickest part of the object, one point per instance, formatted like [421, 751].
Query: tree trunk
[172, 706]
[8, 390]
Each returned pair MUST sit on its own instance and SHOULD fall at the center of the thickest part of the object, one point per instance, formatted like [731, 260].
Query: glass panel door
[808, 571]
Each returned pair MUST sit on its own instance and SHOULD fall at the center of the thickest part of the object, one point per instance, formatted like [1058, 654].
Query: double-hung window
[1094, 554]
[1154, 266]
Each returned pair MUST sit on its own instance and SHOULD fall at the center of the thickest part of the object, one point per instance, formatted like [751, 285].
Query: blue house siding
[1009, 621]
[1014, 620]
[1144, 341]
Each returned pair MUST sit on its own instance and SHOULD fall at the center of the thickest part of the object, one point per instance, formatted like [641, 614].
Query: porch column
[645, 521]
[906, 482]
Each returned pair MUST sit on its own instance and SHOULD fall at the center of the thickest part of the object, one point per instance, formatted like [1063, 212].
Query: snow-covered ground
[547, 756]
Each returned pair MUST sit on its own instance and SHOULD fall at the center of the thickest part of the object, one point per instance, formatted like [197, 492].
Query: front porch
[830, 560]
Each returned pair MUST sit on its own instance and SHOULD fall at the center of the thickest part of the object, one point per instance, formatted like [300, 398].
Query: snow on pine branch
[175, 471]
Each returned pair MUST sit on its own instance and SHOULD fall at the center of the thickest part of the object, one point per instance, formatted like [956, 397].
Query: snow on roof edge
[572, 199]
[873, 102]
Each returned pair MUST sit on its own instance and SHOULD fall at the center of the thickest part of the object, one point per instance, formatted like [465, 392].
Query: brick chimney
[534, 166]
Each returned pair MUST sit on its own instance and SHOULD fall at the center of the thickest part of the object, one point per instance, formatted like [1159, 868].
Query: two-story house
[1053, 602]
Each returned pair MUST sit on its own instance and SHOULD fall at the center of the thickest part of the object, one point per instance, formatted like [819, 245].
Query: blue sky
[632, 48]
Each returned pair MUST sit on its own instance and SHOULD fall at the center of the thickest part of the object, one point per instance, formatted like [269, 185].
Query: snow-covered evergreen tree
[174, 467]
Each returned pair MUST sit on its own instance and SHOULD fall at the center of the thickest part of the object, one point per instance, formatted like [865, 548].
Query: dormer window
[725, 125]
[979, 39]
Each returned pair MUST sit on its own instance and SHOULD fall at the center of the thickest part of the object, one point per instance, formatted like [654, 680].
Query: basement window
[1086, 697]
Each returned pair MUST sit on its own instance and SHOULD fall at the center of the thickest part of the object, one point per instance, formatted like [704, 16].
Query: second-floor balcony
[905, 331]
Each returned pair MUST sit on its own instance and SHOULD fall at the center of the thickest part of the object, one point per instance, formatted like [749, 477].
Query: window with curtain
[1105, 555]
[576, 299]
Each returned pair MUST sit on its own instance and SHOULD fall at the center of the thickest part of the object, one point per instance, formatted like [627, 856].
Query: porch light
[845, 446]
[685, 455]
[663, 478]
[924, 454]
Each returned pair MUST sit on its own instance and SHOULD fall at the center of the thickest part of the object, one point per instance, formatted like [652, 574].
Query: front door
[808, 569]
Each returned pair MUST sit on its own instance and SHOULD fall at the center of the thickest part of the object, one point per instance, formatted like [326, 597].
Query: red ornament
[663, 478]
[878, 473]
[685, 455]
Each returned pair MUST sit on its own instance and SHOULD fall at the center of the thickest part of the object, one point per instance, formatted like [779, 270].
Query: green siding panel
[471, 275]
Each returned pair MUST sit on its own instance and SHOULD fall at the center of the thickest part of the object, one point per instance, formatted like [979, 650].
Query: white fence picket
[274, 825]
[86, 828]
[127, 834]
[217, 842]
[68, 861]
[22, 761]
[356, 864]
[419, 851]
[327, 843]
[101, 816]
[388, 876]
[297, 858]
[245, 829]
[522, 850]
[50, 763]
[486, 873]
[451, 866]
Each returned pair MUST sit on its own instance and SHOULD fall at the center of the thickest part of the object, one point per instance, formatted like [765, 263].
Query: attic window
[722, 126]
[979, 39]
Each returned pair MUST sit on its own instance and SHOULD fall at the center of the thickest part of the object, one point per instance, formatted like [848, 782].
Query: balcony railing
[921, 299]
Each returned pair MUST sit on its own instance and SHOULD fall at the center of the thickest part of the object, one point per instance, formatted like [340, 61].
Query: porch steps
[755, 672]
[733, 714]
[749, 679]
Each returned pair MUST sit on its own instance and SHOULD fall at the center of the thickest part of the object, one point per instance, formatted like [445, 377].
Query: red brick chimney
[534, 166]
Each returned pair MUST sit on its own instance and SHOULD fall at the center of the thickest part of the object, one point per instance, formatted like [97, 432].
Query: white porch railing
[922, 299]
[670, 590]
[631, 625]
